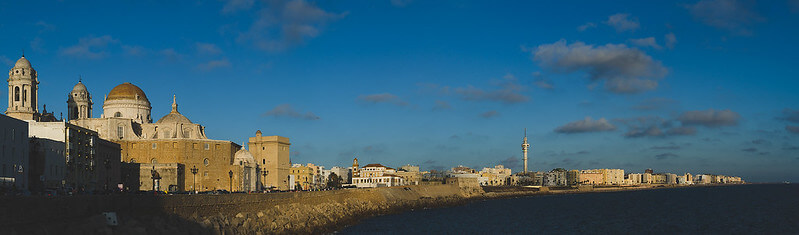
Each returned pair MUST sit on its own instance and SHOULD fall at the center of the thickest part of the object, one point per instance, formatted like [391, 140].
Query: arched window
[154, 160]
[117, 114]
[16, 93]
[205, 162]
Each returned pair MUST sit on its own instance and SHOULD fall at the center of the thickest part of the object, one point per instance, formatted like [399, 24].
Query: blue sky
[689, 86]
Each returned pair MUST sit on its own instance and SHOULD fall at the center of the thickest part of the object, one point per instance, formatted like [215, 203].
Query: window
[174, 144]
[155, 145]
[120, 132]
[206, 163]
[117, 114]
[154, 160]
[132, 160]
[207, 147]
[264, 161]
[16, 92]
[194, 145]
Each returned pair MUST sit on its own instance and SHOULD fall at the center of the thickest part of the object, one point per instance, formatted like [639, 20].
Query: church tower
[23, 91]
[79, 102]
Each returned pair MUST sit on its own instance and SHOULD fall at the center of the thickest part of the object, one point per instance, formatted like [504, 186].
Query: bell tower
[23, 89]
[79, 102]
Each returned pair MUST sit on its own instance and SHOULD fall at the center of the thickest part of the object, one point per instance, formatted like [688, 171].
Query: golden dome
[127, 91]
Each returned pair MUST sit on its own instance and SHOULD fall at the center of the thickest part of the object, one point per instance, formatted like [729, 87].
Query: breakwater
[300, 212]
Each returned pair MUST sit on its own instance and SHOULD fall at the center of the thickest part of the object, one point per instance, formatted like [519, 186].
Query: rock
[260, 214]
[239, 215]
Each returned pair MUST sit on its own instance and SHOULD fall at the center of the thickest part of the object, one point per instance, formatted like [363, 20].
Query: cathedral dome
[174, 116]
[23, 63]
[126, 91]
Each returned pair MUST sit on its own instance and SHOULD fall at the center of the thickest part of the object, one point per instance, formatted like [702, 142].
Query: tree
[333, 181]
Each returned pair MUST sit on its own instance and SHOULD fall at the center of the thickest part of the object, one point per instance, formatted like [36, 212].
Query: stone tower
[525, 146]
[23, 91]
[355, 164]
[272, 154]
[79, 102]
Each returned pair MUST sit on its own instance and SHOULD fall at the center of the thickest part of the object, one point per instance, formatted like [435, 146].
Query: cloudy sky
[705, 86]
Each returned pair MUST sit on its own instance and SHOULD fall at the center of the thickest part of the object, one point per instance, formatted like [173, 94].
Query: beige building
[173, 139]
[271, 153]
[495, 176]
[591, 177]
[304, 176]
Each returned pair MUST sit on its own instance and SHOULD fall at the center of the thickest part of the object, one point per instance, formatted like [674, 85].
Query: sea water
[738, 209]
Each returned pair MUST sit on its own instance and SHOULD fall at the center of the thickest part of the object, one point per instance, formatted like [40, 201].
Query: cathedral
[172, 153]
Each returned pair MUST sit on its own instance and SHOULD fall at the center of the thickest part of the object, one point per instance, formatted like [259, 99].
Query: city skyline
[678, 87]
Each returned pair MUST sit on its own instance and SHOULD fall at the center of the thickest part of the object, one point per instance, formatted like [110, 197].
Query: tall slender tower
[23, 90]
[525, 146]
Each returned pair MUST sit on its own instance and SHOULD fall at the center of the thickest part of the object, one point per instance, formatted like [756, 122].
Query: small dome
[79, 88]
[174, 117]
[23, 63]
[126, 91]
[244, 156]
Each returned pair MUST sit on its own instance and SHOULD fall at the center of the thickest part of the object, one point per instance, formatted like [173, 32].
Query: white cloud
[214, 64]
[282, 24]
[622, 69]
[207, 48]
[90, 47]
[646, 42]
[732, 15]
[671, 40]
[621, 22]
[586, 125]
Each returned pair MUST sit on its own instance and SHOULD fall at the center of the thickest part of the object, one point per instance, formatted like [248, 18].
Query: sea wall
[293, 212]
[299, 212]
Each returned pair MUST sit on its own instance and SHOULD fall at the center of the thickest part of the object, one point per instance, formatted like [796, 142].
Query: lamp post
[230, 173]
[194, 172]
[264, 173]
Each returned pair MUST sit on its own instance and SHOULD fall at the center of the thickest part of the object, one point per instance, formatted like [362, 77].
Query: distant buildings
[375, 175]
[14, 154]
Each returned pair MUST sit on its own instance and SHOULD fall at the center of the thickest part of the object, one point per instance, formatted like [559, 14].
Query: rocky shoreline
[305, 212]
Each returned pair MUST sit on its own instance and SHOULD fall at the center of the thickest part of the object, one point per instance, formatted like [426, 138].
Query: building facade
[14, 151]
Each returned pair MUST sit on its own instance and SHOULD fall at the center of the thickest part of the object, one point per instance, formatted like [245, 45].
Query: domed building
[23, 88]
[127, 101]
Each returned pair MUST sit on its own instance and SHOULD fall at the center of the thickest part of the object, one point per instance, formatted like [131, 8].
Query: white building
[376, 175]
[634, 178]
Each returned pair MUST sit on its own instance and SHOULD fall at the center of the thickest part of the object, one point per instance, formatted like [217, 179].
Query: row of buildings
[124, 149]
[313, 177]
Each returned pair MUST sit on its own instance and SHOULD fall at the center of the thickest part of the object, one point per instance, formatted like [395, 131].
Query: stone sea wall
[272, 213]
[300, 212]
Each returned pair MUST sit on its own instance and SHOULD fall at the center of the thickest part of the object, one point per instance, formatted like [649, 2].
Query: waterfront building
[671, 178]
[14, 151]
[573, 177]
[344, 173]
[375, 175]
[591, 177]
[66, 155]
[410, 174]
[681, 180]
[634, 178]
[272, 154]
[554, 178]
[613, 176]
[304, 176]
[495, 176]
[659, 178]
[646, 178]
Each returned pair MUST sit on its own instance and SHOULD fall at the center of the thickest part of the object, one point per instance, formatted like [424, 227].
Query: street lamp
[194, 172]
[230, 173]
[264, 173]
